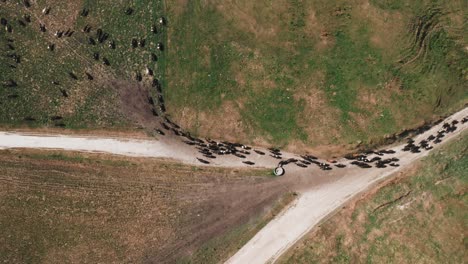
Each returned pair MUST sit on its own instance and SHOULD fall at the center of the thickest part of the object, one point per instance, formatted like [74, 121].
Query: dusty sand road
[313, 205]
[165, 148]
[321, 192]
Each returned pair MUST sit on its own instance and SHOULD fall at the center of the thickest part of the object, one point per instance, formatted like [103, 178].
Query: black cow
[259, 152]
[10, 83]
[64, 93]
[73, 76]
[160, 132]
[90, 77]
[203, 161]
[27, 18]
[91, 41]
[138, 77]
[149, 71]
[84, 12]
[129, 11]
[46, 10]
[160, 46]
[154, 57]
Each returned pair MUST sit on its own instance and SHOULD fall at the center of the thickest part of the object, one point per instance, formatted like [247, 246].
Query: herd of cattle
[88, 36]
[208, 149]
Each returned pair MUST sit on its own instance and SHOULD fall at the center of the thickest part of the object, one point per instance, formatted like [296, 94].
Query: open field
[64, 207]
[219, 249]
[302, 74]
[52, 88]
[419, 217]
[312, 73]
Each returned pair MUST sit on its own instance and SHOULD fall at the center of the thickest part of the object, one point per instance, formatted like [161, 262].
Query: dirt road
[321, 192]
[167, 148]
[313, 205]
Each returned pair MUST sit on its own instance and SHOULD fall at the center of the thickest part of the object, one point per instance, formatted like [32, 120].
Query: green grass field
[420, 218]
[289, 72]
[317, 72]
[90, 104]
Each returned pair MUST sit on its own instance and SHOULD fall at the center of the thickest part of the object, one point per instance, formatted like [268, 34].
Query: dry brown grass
[90, 208]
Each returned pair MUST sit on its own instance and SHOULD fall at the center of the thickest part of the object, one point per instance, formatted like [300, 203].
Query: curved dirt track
[321, 192]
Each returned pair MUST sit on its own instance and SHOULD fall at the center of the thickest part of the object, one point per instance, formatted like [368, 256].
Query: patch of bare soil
[134, 102]
[61, 13]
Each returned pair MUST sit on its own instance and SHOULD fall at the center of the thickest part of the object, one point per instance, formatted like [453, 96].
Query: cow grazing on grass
[27, 18]
[72, 75]
[154, 57]
[129, 11]
[84, 12]
[90, 77]
[10, 83]
[138, 77]
[160, 46]
[64, 93]
[149, 71]
[26, 3]
[46, 10]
